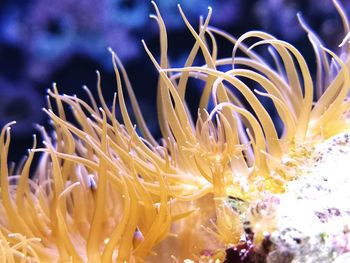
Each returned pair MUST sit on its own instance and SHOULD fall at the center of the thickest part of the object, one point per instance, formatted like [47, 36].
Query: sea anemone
[102, 192]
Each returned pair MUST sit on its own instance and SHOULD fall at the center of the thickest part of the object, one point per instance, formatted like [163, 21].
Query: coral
[55, 31]
[14, 94]
[281, 13]
[216, 185]
[278, 17]
[312, 216]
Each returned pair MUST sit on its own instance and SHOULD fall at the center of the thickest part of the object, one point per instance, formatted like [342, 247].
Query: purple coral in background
[54, 31]
[227, 12]
[40, 39]
[51, 32]
[19, 101]
[278, 17]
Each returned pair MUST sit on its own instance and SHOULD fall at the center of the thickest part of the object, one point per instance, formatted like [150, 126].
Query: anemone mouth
[102, 192]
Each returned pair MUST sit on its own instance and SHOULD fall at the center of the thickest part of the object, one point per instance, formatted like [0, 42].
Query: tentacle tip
[153, 3]
[110, 49]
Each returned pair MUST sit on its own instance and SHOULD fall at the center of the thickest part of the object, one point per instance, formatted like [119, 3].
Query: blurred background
[65, 41]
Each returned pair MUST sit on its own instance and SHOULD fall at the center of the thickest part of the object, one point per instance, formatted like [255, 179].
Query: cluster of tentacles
[102, 192]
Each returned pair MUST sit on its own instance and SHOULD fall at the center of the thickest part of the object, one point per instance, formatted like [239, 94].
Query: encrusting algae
[104, 193]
